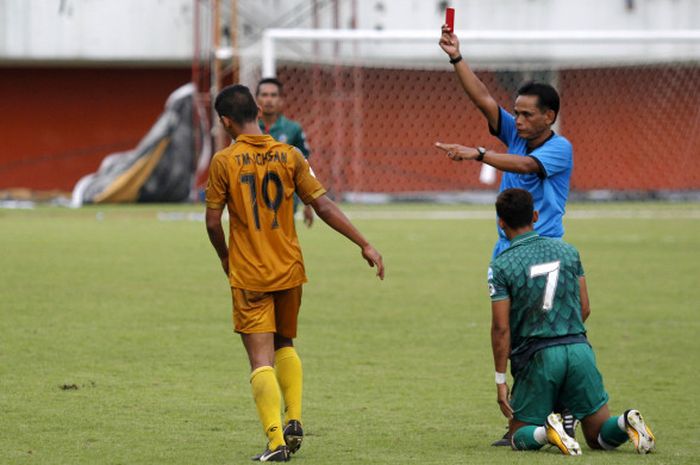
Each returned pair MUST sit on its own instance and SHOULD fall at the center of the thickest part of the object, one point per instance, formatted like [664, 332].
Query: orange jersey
[256, 177]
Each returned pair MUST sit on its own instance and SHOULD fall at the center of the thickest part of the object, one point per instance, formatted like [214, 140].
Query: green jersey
[287, 131]
[540, 276]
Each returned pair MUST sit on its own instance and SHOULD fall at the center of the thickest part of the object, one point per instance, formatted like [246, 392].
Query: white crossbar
[270, 36]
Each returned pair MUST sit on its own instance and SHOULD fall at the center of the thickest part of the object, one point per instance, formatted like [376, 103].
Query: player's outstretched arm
[336, 219]
[472, 85]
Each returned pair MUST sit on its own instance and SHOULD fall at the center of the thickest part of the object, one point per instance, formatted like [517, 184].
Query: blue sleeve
[506, 130]
[555, 156]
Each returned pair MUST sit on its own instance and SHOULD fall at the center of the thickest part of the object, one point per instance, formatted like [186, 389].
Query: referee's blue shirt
[549, 189]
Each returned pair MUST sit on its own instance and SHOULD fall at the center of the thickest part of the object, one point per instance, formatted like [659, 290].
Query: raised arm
[472, 85]
[331, 215]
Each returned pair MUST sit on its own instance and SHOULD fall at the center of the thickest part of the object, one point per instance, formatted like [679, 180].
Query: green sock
[611, 433]
[524, 438]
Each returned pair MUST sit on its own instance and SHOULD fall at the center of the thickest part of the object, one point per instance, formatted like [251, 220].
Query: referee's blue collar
[523, 237]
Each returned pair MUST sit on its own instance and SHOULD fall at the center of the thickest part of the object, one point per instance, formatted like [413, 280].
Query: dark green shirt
[540, 276]
[287, 131]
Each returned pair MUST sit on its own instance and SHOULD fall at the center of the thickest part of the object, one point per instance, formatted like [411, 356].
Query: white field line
[635, 214]
[692, 214]
[491, 215]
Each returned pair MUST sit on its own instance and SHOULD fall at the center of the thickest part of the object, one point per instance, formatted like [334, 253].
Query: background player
[281, 128]
[256, 178]
[539, 303]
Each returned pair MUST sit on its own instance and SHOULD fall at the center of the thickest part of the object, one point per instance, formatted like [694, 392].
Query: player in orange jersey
[256, 178]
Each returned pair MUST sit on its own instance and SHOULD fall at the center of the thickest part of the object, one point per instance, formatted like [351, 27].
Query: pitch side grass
[116, 344]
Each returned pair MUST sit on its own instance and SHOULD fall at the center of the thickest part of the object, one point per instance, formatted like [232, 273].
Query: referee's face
[530, 121]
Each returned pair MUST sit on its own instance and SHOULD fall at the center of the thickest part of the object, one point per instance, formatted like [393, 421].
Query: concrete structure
[80, 31]
[137, 31]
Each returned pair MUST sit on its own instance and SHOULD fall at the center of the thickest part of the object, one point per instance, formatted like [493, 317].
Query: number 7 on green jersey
[551, 270]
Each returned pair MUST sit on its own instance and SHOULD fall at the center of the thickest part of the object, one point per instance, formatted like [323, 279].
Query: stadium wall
[59, 123]
[370, 130]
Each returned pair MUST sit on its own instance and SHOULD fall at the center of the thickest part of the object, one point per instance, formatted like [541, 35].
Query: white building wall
[530, 14]
[473, 16]
[96, 30]
[162, 30]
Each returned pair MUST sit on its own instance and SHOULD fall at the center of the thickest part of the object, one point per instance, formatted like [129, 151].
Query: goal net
[373, 103]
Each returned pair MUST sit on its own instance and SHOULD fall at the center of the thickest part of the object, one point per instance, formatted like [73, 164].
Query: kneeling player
[539, 303]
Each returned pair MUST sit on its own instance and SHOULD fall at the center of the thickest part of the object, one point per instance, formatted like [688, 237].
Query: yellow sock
[266, 393]
[289, 376]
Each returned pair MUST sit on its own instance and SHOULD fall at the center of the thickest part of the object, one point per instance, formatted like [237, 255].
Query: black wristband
[456, 60]
[482, 151]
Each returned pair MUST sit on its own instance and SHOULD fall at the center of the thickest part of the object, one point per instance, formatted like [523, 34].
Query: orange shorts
[266, 312]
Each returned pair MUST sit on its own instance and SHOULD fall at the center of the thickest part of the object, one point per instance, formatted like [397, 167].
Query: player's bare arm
[216, 235]
[472, 85]
[500, 161]
[336, 219]
[500, 345]
[585, 303]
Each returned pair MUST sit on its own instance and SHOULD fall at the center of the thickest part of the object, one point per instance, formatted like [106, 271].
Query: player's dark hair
[515, 207]
[236, 102]
[547, 96]
[274, 81]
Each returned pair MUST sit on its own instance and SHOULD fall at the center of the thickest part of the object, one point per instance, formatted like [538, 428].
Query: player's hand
[308, 216]
[458, 152]
[374, 258]
[224, 265]
[503, 399]
[449, 42]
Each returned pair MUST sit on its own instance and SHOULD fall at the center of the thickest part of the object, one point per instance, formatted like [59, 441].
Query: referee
[537, 159]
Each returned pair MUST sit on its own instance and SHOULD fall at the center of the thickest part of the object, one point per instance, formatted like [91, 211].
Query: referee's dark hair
[547, 96]
[270, 80]
[515, 207]
[237, 103]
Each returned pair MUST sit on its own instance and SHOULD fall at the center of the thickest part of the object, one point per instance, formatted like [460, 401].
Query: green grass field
[116, 344]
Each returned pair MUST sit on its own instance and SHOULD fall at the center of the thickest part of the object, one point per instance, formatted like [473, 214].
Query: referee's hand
[449, 42]
[458, 152]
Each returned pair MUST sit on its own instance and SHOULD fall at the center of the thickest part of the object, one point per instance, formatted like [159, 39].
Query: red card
[450, 18]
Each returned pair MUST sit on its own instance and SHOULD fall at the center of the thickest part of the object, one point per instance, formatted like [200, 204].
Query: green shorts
[564, 374]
